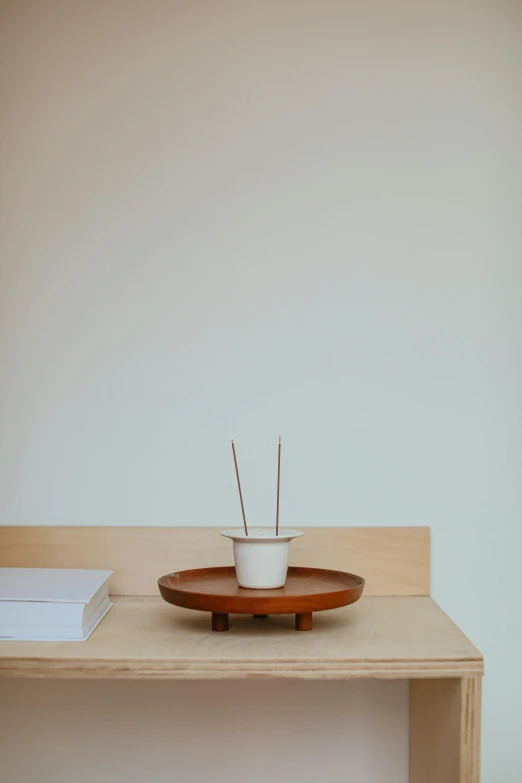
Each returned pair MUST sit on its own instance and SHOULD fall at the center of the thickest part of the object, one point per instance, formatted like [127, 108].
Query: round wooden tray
[216, 590]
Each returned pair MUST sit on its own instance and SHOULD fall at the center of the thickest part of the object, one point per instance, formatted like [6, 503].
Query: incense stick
[239, 487]
[278, 484]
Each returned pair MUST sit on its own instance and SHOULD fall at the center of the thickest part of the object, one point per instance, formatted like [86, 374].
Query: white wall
[235, 732]
[244, 219]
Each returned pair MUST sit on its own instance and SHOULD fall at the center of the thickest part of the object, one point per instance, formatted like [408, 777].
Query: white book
[52, 604]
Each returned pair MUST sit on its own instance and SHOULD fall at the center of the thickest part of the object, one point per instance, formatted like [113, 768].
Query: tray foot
[260, 616]
[219, 621]
[303, 622]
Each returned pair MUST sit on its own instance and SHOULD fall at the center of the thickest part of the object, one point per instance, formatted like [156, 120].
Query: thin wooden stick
[239, 487]
[278, 484]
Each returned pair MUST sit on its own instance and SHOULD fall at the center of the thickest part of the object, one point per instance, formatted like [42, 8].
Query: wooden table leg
[445, 719]
[219, 622]
[303, 622]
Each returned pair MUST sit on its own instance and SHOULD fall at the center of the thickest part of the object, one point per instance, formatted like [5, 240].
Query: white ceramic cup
[261, 558]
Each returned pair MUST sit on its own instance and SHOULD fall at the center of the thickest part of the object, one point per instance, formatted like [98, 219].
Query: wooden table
[396, 631]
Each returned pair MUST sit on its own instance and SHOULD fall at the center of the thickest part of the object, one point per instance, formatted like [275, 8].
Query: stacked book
[52, 604]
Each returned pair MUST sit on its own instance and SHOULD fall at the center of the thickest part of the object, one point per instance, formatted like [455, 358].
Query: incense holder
[261, 557]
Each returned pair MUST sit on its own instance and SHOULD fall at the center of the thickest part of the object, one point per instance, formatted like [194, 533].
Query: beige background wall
[250, 219]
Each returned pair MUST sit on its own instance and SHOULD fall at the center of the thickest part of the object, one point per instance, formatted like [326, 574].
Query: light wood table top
[399, 637]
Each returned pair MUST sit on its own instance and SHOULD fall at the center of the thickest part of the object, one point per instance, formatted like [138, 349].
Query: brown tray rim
[263, 601]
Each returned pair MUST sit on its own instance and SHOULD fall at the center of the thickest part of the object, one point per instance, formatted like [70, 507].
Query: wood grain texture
[445, 725]
[394, 561]
[386, 637]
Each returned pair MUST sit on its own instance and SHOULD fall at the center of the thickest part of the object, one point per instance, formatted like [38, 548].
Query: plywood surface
[394, 561]
[445, 720]
[392, 637]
